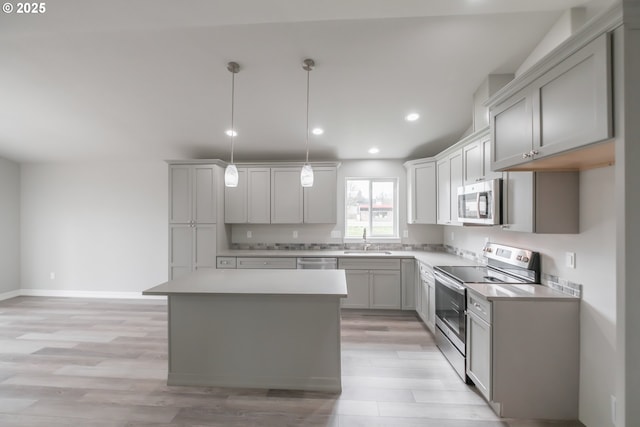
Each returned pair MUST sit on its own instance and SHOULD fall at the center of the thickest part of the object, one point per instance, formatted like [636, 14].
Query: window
[370, 203]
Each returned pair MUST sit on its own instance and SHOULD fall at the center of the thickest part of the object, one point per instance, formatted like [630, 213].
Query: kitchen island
[255, 328]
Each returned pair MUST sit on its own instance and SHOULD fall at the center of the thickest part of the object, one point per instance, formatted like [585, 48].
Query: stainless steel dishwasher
[317, 263]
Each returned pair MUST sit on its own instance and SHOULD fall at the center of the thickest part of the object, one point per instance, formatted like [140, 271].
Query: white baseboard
[10, 294]
[84, 294]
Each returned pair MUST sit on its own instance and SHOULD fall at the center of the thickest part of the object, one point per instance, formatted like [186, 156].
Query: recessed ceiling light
[231, 132]
[373, 150]
[317, 131]
[412, 117]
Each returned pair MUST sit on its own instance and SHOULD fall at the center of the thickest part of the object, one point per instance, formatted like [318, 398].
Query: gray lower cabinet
[269, 263]
[479, 343]
[372, 283]
[191, 247]
[541, 202]
[408, 267]
[358, 292]
[567, 107]
[425, 295]
[385, 289]
[523, 355]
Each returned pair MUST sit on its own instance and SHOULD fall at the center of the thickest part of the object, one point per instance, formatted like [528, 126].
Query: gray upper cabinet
[235, 200]
[250, 201]
[286, 196]
[320, 200]
[472, 157]
[421, 192]
[449, 172]
[572, 102]
[259, 195]
[512, 131]
[274, 195]
[192, 194]
[476, 158]
[444, 191]
[567, 107]
[541, 202]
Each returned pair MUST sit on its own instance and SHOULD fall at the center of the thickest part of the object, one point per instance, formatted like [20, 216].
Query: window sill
[373, 240]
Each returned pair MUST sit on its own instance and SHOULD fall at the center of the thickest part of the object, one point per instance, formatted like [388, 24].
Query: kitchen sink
[362, 251]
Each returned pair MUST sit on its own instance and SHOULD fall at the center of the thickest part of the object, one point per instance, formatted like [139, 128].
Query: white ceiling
[147, 78]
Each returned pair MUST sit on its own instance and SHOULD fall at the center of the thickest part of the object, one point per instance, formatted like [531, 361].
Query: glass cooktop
[477, 274]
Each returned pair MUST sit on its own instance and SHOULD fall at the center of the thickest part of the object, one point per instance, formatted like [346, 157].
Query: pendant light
[231, 172]
[306, 175]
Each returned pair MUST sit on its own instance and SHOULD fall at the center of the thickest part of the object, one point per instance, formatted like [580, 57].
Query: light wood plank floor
[92, 362]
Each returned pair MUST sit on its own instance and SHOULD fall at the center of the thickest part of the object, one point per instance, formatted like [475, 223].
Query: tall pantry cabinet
[192, 217]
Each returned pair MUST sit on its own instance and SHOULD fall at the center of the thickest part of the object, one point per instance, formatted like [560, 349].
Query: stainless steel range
[505, 264]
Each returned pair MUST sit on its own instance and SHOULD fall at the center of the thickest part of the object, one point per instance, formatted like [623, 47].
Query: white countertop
[494, 292]
[432, 258]
[256, 282]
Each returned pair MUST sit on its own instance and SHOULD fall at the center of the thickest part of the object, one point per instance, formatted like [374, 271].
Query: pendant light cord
[307, 141]
[233, 129]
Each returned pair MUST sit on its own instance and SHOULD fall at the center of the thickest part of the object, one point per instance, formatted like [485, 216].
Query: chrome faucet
[365, 245]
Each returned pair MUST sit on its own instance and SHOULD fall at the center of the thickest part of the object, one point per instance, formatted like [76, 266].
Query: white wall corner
[569, 22]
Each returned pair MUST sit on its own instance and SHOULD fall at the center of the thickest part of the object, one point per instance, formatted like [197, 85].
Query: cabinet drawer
[245, 262]
[426, 272]
[479, 306]
[368, 264]
[226, 262]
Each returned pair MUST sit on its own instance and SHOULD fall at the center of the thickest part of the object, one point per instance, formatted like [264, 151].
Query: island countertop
[256, 282]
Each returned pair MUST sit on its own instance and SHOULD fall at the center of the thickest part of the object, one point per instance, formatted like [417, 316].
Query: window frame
[396, 209]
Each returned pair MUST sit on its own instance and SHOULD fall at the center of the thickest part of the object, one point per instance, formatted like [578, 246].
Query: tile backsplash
[336, 246]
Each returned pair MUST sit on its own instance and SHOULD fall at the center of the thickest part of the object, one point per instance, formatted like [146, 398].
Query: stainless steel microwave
[480, 203]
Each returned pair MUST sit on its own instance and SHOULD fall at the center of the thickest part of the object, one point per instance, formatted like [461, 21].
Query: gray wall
[98, 226]
[595, 248]
[322, 233]
[9, 226]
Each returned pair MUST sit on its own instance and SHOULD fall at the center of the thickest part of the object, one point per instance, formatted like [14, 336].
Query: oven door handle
[449, 283]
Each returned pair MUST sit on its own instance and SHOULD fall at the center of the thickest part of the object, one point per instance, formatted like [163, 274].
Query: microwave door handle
[481, 195]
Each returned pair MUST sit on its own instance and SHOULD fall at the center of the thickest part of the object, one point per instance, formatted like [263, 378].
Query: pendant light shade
[306, 174]
[231, 176]
[231, 172]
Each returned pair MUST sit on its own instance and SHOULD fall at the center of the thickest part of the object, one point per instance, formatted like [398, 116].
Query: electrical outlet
[336, 234]
[405, 233]
[452, 236]
[295, 234]
[52, 275]
[571, 259]
[249, 234]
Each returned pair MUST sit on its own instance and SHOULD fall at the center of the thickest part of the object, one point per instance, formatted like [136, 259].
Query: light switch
[405, 233]
[249, 234]
[295, 234]
[336, 234]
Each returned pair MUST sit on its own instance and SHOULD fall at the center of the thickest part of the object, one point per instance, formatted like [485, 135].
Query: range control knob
[488, 249]
[519, 257]
[525, 259]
